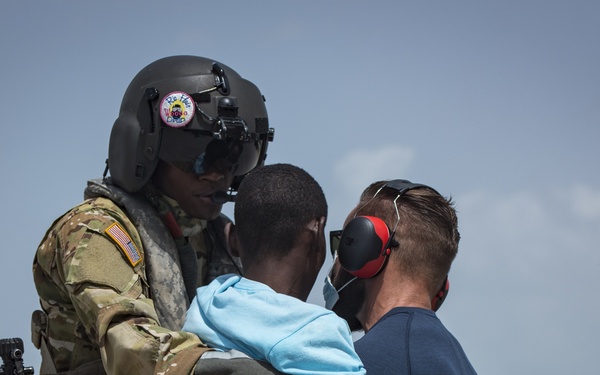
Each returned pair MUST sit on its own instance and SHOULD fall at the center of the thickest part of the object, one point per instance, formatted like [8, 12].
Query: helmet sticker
[177, 109]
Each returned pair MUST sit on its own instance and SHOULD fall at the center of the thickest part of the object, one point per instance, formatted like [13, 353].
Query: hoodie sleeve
[323, 346]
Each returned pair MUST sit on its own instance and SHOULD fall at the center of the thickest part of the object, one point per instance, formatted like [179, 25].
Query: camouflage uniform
[112, 288]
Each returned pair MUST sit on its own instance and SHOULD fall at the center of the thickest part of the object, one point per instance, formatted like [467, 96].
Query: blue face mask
[330, 294]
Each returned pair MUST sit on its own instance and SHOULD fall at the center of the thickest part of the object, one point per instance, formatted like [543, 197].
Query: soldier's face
[194, 192]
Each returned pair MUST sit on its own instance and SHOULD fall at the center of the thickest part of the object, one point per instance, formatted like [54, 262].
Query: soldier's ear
[231, 239]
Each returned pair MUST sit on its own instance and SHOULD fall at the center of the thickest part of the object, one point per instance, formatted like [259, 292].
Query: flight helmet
[191, 112]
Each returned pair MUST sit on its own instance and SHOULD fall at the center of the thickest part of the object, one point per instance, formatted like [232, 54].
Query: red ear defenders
[441, 295]
[364, 246]
[366, 240]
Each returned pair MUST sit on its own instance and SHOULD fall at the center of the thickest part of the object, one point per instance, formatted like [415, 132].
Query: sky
[496, 104]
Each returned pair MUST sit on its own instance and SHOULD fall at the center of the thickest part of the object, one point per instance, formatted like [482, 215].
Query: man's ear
[321, 226]
[317, 229]
[317, 225]
[231, 239]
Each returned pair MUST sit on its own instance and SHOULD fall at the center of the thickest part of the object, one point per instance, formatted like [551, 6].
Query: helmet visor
[197, 153]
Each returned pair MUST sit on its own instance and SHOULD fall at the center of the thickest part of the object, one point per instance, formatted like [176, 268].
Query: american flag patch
[116, 232]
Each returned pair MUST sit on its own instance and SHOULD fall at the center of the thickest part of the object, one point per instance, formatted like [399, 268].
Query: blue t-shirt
[296, 337]
[410, 340]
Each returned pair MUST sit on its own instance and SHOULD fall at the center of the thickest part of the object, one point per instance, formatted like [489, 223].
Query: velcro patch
[116, 232]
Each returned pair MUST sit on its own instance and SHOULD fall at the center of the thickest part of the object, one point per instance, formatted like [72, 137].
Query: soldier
[115, 274]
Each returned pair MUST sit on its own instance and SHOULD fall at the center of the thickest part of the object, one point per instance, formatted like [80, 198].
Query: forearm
[146, 348]
[130, 338]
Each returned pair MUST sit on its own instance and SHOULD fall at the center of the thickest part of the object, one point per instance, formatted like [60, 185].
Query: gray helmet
[189, 111]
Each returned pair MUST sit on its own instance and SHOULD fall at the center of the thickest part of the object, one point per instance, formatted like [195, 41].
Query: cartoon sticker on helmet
[177, 109]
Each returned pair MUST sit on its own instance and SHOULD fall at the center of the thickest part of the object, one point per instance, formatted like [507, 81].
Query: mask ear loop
[343, 286]
[348, 283]
[329, 278]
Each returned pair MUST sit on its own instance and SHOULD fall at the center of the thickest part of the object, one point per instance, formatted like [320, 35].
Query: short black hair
[273, 205]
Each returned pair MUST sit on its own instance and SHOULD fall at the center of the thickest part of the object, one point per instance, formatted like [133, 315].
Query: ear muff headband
[402, 186]
[366, 240]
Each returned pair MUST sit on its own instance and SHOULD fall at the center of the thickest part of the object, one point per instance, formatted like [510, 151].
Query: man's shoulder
[79, 227]
[98, 208]
[398, 326]
[94, 215]
[421, 343]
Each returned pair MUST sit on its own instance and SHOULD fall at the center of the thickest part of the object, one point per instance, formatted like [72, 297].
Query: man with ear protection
[389, 276]
[280, 215]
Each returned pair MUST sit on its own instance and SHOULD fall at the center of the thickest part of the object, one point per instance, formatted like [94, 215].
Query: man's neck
[385, 292]
[294, 274]
[282, 276]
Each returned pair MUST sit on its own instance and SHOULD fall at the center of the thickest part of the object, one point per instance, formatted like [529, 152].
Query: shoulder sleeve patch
[118, 234]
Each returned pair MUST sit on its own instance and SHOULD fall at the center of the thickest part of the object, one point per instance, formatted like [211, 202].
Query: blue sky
[496, 104]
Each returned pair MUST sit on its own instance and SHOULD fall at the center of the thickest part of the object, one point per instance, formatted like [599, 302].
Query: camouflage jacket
[111, 287]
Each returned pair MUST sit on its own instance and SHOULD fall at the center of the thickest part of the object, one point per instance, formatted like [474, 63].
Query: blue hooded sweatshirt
[296, 337]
